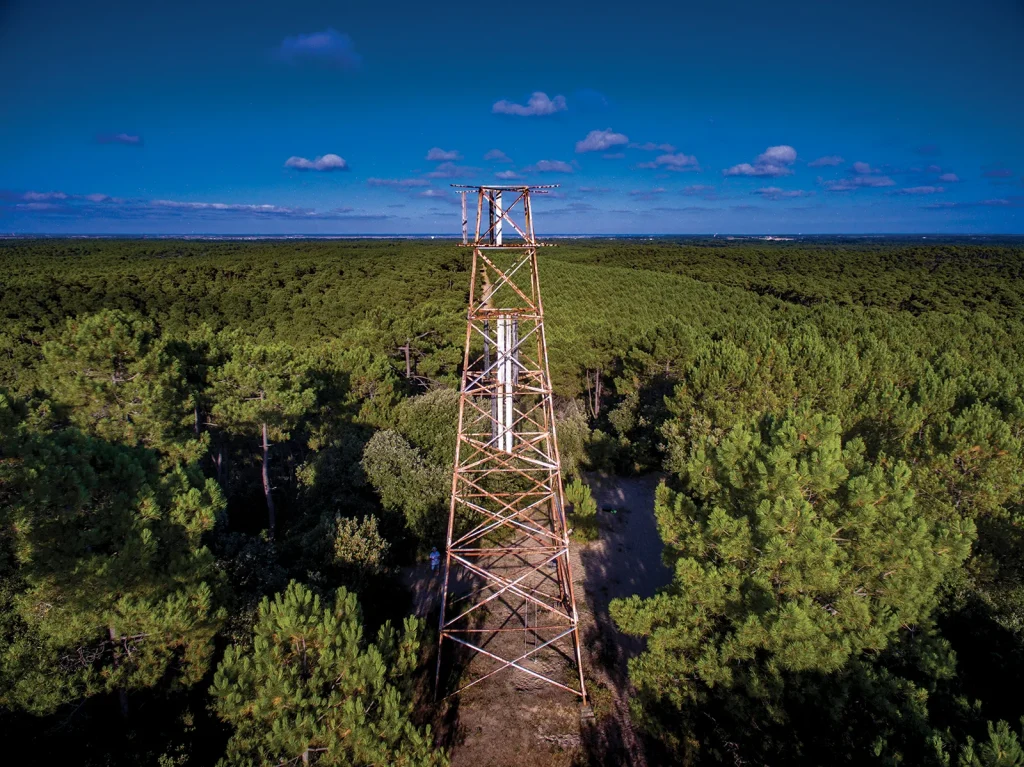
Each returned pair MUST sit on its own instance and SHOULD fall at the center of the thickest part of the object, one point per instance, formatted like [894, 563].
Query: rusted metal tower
[508, 593]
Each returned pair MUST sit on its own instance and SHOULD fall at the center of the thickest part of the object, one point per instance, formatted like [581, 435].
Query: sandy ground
[512, 718]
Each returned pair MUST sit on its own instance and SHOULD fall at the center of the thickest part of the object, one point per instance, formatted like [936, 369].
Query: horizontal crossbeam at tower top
[508, 599]
[499, 214]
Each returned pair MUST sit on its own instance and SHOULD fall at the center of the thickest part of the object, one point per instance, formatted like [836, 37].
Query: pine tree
[408, 483]
[261, 392]
[792, 553]
[113, 589]
[1003, 749]
[310, 689]
[118, 381]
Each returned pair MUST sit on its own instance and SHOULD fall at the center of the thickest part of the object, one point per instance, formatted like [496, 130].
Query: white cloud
[496, 155]
[695, 190]
[551, 166]
[327, 162]
[601, 141]
[777, 193]
[103, 207]
[437, 154]
[507, 175]
[223, 206]
[400, 183]
[120, 138]
[772, 162]
[923, 190]
[949, 178]
[329, 46]
[539, 104]
[830, 160]
[677, 161]
[450, 170]
[647, 194]
[441, 196]
[41, 196]
[746, 169]
[650, 146]
[777, 155]
[856, 182]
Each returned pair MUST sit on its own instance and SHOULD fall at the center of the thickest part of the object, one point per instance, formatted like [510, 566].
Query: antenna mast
[508, 594]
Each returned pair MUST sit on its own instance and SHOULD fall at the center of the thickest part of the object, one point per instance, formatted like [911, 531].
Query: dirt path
[511, 720]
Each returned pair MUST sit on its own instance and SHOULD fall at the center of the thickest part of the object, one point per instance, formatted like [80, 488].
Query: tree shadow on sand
[625, 561]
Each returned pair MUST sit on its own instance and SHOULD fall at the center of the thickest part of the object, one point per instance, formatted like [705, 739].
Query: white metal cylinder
[508, 385]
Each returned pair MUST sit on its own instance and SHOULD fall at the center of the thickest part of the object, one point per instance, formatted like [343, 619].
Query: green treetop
[791, 552]
[408, 483]
[310, 689]
[118, 381]
[115, 589]
[261, 392]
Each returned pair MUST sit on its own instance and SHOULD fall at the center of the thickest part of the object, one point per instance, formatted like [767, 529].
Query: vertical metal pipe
[465, 220]
[514, 362]
[502, 379]
[479, 215]
[507, 446]
[528, 216]
[490, 213]
[489, 381]
[499, 214]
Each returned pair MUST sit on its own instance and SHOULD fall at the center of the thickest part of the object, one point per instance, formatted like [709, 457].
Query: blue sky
[699, 117]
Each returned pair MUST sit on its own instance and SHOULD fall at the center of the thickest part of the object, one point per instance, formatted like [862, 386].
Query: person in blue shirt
[435, 559]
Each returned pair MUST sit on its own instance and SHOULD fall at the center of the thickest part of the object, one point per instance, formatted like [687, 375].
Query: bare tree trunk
[122, 693]
[219, 463]
[595, 393]
[197, 419]
[408, 367]
[266, 483]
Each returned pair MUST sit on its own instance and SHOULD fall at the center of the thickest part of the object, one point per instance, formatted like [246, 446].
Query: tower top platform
[506, 187]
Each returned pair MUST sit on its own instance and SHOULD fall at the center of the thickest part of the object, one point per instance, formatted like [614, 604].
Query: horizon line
[446, 236]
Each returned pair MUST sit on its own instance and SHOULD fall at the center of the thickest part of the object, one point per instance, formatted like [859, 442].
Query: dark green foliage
[797, 555]
[114, 587]
[1003, 749]
[573, 439]
[430, 422]
[119, 382]
[842, 424]
[309, 688]
[409, 484]
[583, 515]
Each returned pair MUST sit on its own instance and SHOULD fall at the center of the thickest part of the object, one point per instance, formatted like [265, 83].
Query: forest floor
[514, 719]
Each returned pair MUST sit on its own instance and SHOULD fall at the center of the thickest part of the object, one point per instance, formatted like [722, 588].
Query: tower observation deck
[508, 601]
